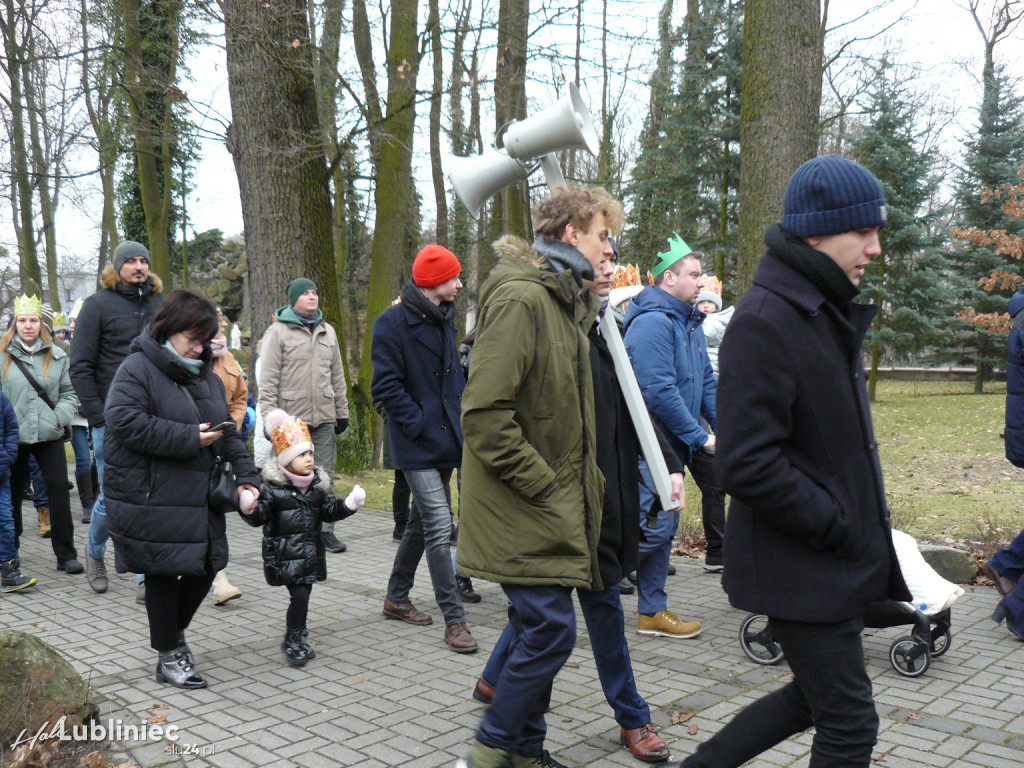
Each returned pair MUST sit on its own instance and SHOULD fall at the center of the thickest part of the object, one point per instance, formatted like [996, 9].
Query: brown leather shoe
[406, 612]
[483, 692]
[459, 640]
[645, 743]
[1003, 584]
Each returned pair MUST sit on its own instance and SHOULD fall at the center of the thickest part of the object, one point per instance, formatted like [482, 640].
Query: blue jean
[8, 551]
[603, 614]
[1009, 561]
[39, 498]
[429, 530]
[80, 445]
[830, 690]
[98, 531]
[652, 570]
[543, 621]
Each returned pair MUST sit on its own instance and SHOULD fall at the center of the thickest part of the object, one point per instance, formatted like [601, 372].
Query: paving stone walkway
[384, 693]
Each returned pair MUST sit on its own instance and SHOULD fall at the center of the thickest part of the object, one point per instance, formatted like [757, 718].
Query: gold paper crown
[625, 275]
[288, 434]
[28, 305]
[713, 284]
[60, 320]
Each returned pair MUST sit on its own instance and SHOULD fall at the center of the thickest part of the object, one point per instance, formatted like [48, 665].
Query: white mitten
[356, 499]
[246, 501]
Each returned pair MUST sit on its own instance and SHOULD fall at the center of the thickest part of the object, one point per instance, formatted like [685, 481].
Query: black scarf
[823, 273]
[432, 313]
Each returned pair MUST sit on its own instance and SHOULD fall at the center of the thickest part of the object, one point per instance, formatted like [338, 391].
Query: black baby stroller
[910, 655]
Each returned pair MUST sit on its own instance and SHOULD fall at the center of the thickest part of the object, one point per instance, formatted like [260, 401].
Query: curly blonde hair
[574, 204]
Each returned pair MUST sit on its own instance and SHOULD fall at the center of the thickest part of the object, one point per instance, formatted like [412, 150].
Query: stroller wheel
[941, 643]
[909, 656]
[757, 640]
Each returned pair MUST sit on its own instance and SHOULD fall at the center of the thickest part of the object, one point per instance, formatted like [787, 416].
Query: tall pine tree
[994, 155]
[909, 280]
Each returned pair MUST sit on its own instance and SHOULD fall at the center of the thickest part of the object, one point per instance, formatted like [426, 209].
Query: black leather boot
[292, 647]
[310, 653]
[83, 481]
[184, 649]
[174, 668]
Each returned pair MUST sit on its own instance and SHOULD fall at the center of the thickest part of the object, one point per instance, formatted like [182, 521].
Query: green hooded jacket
[530, 506]
[37, 423]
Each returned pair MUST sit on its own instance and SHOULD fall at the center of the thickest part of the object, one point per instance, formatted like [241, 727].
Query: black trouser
[400, 495]
[298, 608]
[53, 463]
[712, 502]
[830, 690]
[171, 602]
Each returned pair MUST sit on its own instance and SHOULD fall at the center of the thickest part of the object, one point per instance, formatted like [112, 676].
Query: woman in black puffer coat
[159, 456]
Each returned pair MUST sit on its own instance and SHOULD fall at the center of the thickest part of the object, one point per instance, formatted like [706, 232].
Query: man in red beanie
[417, 384]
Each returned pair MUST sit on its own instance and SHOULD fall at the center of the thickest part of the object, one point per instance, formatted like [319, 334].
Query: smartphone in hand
[220, 427]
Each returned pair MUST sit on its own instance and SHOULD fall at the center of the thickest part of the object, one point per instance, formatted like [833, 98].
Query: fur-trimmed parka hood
[109, 279]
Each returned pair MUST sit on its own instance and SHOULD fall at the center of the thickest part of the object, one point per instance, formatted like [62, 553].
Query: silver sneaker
[96, 573]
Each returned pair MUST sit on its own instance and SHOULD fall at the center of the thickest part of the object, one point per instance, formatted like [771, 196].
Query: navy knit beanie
[129, 249]
[829, 195]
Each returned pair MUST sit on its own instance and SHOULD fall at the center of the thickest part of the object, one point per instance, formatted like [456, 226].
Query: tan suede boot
[44, 521]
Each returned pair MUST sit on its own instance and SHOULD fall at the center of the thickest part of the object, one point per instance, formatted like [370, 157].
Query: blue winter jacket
[1015, 383]
[670, 357]
[9, 439]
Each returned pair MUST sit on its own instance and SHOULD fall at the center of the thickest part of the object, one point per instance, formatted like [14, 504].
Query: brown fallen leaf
[160, 705]
[912, 715]
[94, 760]
[155, 719]
[692, 730]
[680, 717]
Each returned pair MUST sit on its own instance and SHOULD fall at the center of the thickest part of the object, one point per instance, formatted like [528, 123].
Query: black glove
[340, 426]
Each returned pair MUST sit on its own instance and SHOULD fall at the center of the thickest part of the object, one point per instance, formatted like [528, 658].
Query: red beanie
[434, 265]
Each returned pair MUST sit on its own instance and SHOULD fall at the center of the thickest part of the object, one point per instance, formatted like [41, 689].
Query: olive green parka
[530, 510]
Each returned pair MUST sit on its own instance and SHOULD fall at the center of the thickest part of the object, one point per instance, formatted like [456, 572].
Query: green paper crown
[677, 249]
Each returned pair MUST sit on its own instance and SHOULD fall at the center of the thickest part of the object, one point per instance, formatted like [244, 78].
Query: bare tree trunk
[436, 172]
[45, 173]
[393, 193]
[276, 143]
[153, 138]
[16, 69]
[510, 211]
[100, 93]
[782, 59]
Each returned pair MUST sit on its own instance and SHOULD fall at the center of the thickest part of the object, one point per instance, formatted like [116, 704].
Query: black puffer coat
[156, 476]
[293, 551]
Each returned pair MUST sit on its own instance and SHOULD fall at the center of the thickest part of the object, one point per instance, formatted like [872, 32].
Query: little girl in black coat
[295, 500]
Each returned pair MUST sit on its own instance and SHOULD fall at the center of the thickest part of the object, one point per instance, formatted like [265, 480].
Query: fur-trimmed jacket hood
[293, 551]
[108, 323]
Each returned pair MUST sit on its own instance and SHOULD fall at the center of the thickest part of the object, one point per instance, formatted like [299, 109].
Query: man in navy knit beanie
[808, 541]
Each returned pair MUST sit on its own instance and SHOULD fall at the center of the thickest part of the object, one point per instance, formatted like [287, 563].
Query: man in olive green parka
[531, 497]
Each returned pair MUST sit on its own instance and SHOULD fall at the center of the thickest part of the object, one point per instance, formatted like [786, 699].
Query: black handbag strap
[32, 380]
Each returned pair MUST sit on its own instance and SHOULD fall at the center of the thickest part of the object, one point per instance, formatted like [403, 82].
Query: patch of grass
[942, 457]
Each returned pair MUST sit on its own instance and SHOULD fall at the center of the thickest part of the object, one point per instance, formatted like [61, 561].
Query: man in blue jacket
[1006, 566]
[669, 354]
[418, 382]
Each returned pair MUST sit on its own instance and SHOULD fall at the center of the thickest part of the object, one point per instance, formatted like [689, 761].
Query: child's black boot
[292, 647]
[11, 579]
[310, 653]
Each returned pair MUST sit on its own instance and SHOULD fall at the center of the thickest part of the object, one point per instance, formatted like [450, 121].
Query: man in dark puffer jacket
[107, 324]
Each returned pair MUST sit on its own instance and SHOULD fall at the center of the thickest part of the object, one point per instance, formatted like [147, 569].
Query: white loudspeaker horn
[565, 125]
[477, 178]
